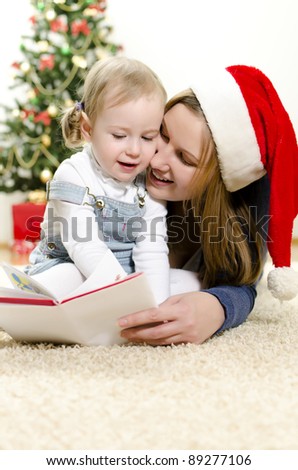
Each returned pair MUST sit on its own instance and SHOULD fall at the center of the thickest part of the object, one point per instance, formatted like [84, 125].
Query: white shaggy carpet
[237, 391]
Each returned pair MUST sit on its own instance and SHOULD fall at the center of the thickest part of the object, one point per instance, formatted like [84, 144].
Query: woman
[220, 145]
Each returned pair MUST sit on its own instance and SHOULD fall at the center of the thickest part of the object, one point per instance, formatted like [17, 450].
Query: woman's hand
[192, 317]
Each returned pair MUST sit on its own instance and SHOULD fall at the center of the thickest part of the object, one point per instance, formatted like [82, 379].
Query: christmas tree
[67, 38]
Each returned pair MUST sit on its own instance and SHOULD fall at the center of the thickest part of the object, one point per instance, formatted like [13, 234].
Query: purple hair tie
[79, 106]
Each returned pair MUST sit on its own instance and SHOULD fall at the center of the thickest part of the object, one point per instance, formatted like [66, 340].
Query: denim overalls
[119, 225]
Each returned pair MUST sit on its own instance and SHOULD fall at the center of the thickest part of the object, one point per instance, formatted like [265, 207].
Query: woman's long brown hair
[232, 252]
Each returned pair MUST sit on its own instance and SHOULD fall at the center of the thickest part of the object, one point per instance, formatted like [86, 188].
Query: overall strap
[140, 183]
[65, 191]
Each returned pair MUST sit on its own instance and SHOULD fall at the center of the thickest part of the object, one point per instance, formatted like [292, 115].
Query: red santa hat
[254, 135]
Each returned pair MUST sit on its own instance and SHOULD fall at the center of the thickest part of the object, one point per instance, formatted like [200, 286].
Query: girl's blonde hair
[233, 253]
[120, 78]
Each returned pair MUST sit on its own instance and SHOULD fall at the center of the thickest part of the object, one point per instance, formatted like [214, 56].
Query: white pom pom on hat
[254, 135]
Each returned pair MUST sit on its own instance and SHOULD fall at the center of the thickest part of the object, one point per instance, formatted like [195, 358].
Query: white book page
[9, 293]
[108, 271]
[23, 282]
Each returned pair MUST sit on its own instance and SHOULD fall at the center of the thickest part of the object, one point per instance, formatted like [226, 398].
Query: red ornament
[58, 25]
[80, 26]
[16, 65]
[32, 19]
[43, 117]
[47, 62]
[23, 247]
[28, 113]
[101, 7]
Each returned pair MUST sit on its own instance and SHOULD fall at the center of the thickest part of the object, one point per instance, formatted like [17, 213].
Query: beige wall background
[180, 39]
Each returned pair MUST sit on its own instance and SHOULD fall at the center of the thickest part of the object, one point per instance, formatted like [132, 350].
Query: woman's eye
[184, 161]
[163, 135]
[148, 139]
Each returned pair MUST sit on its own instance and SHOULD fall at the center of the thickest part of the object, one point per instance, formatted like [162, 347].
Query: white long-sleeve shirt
[150, 253]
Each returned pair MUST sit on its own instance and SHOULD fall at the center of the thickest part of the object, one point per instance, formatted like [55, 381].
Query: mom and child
[199, 188]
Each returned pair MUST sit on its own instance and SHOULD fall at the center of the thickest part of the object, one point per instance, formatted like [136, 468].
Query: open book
[87, 316]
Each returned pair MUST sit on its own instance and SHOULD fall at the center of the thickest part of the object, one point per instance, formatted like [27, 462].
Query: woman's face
[178, 152]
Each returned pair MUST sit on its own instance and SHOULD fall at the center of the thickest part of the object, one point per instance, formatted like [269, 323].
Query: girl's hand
[192, 317]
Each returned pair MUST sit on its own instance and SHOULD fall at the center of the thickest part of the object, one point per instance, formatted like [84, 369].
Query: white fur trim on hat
[283, 283]
[238, 150]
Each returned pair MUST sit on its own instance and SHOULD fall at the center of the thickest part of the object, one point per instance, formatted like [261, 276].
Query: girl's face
[124, 136]
[178, 152]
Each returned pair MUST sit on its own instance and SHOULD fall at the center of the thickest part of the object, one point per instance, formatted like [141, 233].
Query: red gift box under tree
[27, 218]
